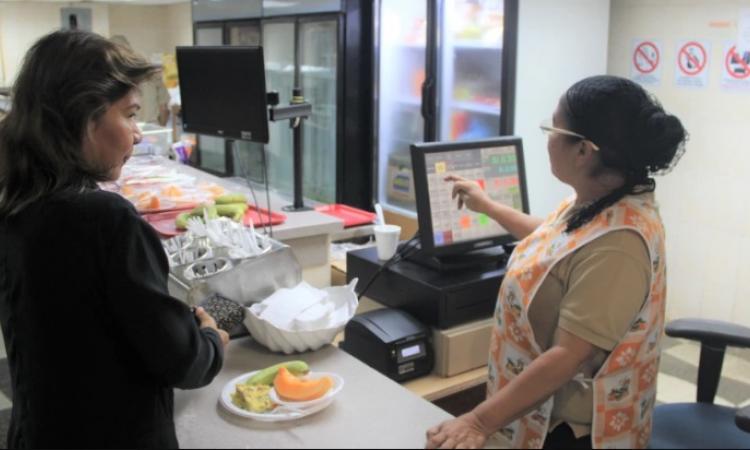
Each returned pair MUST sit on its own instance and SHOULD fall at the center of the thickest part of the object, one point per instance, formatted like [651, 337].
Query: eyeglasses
[548, 129]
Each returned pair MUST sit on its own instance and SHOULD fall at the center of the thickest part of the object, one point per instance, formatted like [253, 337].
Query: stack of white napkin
[301, 308]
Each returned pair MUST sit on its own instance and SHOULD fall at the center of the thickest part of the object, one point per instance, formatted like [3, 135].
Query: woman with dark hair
[95, 343]
[575, 350]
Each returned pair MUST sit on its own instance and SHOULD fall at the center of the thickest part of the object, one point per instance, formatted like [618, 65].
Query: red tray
[351, 216]
[164, 223]
[179, 209]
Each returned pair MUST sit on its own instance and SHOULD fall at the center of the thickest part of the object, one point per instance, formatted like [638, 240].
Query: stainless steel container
[246, 281]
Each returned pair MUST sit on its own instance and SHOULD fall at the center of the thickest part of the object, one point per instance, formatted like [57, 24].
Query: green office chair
[703, 424]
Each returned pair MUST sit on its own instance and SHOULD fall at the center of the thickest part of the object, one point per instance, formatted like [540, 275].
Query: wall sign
[735, 73]
[692, 64]
[646, 62]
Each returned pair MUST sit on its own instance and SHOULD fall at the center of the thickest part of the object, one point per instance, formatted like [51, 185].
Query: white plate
[280, 413]
[338, 384]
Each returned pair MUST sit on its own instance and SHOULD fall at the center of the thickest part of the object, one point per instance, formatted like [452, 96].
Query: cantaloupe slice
[172, 191]
[155, 203]
[289, 387]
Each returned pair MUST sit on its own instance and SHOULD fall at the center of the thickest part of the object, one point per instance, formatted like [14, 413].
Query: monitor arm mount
[295, 112]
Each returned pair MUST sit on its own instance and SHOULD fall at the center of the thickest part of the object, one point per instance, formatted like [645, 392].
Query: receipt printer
[391, 342]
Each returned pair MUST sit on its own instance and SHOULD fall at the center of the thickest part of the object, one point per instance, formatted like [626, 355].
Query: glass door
[470, 68]
[318, 59]
[244, 33]
[401, 51]
[209, 34]
[279, 53]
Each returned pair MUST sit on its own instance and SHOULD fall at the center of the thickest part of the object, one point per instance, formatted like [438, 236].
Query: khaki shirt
[595, 294]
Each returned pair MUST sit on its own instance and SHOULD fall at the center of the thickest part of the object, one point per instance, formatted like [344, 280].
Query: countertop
[370, 411]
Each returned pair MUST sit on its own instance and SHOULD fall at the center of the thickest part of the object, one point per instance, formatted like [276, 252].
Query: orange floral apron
[625, 386]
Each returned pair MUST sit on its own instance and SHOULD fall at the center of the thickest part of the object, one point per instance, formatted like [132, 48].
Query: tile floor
[679, 370]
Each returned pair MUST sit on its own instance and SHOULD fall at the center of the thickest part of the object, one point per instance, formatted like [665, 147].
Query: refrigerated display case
[309, 61]
[305, 46]
[402, 56]
[244, 33]
[318, 56]
[445, 71]
[471, 69]
[278, 51]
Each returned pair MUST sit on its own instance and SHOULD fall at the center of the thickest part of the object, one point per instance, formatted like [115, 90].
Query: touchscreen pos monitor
[496, 164]
[223, 92]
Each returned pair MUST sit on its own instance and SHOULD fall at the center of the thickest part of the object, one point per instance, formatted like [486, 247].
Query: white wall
[143, 26]
[22, 23]
[703, 202]
[559, 43]
[152, 29]
[179, 25]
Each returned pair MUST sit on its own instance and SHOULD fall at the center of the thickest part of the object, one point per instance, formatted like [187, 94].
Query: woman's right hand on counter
[469, 193]
[206, 321]
[465, 431]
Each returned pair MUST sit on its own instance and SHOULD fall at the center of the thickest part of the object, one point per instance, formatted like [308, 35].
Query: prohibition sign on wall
[646, 57]
[692, 58]
[737, 65]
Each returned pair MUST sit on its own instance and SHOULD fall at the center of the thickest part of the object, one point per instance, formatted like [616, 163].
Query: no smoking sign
[646, 57]
[692, 58]
[735, 73]
[646, 61]
[692, 64]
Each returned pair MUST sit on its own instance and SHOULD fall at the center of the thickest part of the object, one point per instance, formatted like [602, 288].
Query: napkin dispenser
[391, 342]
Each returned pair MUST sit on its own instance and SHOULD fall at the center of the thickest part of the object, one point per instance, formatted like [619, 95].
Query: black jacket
[95, 343]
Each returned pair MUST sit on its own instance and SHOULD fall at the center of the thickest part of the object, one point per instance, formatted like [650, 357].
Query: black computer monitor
[223, 91]
[496, 164]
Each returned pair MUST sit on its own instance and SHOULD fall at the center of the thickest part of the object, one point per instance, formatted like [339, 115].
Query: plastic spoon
[379, 213]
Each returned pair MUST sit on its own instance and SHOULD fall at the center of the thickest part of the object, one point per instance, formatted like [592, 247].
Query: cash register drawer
[440, 300]
[474, 302]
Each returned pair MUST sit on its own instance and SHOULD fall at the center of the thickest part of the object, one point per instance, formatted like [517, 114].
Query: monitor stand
[489, 257]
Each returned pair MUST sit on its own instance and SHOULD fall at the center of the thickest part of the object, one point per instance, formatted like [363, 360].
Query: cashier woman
[574, 351]
[95, 343]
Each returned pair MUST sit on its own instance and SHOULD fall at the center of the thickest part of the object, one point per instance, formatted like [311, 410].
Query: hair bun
[663, 139]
